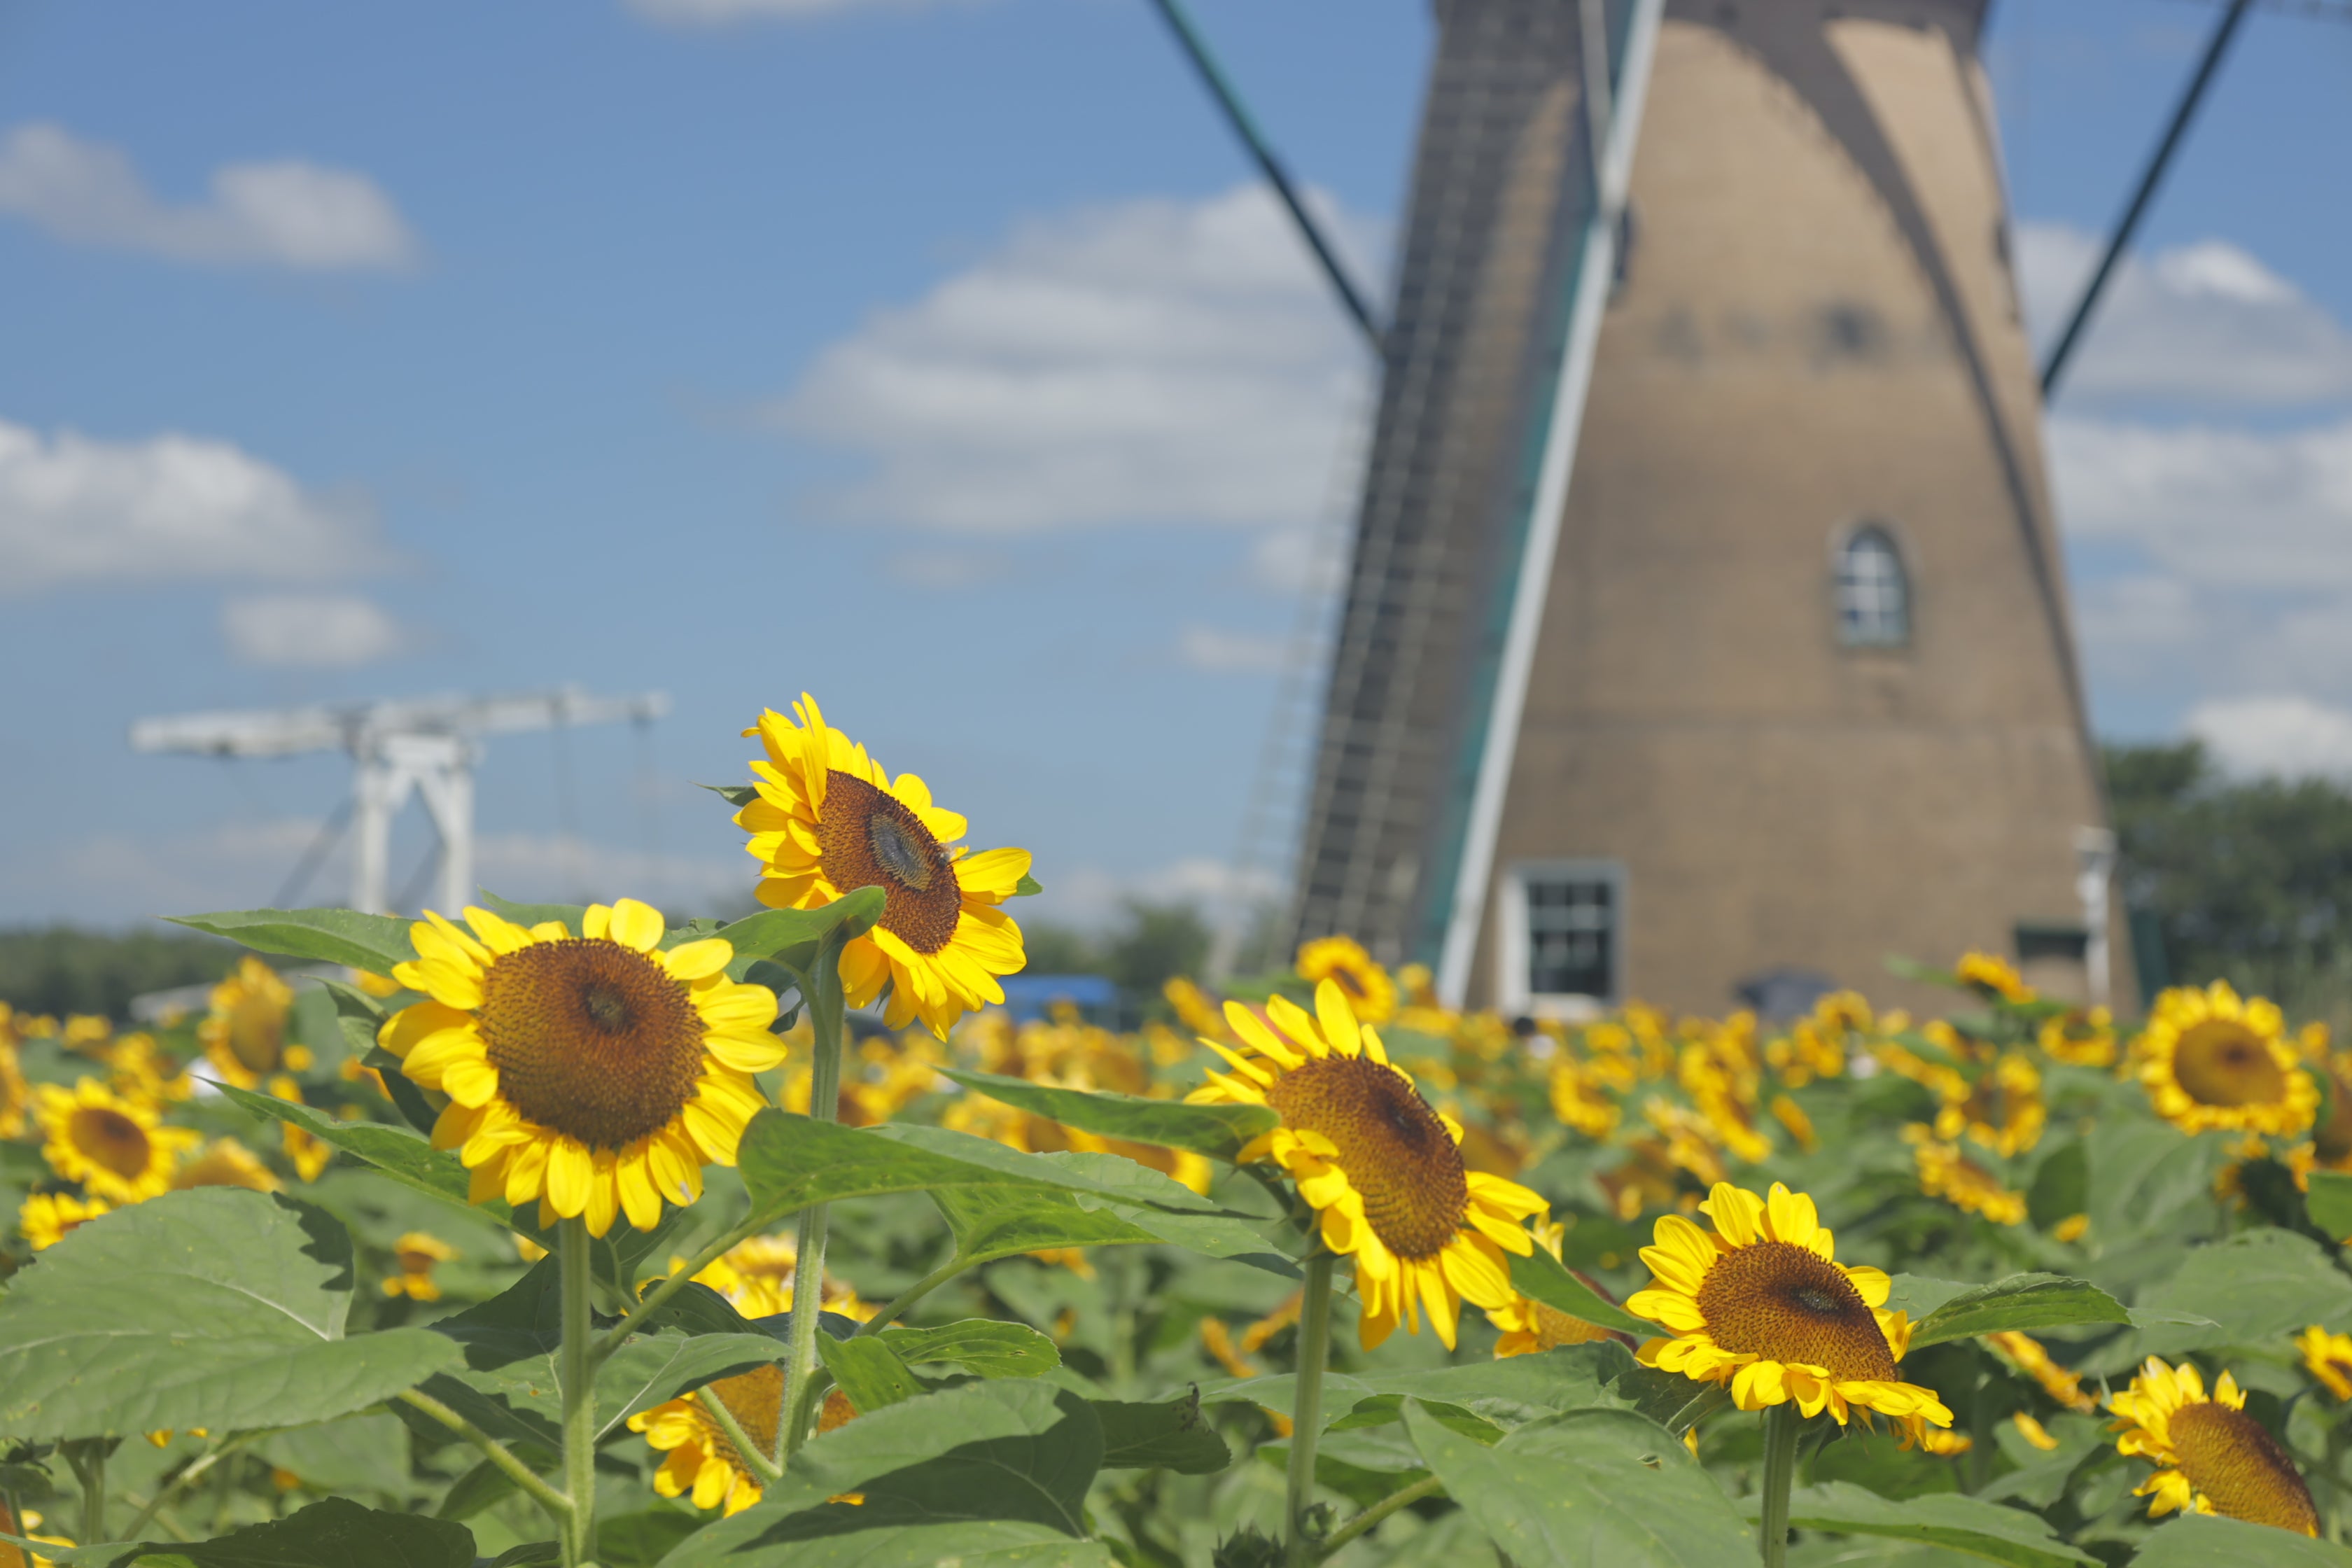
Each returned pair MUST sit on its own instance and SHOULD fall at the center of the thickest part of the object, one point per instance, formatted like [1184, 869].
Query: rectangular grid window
[1568, 918]
[1873, 599]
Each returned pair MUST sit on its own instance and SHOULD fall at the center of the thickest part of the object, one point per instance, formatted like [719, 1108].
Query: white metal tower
[427, 746]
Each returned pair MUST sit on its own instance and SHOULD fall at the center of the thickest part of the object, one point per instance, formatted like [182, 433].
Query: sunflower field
[480, 1240]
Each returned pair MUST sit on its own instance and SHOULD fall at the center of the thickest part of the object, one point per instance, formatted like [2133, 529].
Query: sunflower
[1369, 989]
[47, 1216]
[414, 1255]
[1992, 976]
[309, 1152]
[829, 820]
[2033, 1431]
[1764, 1306]
[1192, 1007]
[14, 1094]
[137, 1067]
[703, 1462]
[1529, 1325]
[595, 1073]
[1383, 1169]
[225, 1162]
[115, 1147]
[1580, 1100]
[2086, 1039]
[2211, 1060]
[2327, 1357]
[1791, 1115]
[1946, 1173]
[245, 1034]
[2003, 1112]
[2026, 1353]
[756, 1277]
[2215, 1458]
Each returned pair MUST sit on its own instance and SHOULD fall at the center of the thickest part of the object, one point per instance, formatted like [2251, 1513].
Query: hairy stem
[754, 1454]
[955, 1264]
[577, 1374]
[1307, 1408]
[1428, 1486]
[653, 1300]
[558, 1506]
[88, 1458]
[1781, 1422]
[825, 1002]
[189, 1475]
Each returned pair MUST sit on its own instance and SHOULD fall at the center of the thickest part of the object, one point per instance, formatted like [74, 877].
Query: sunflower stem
[88, 1458]
[657, 1297]
[825, 1004]
[752, 1454]
[579, 1384]
[1428, 1486]
[189, 1475]
[558, 1506]
[955, 1264]
[1781, 1424]
[1307, 1408]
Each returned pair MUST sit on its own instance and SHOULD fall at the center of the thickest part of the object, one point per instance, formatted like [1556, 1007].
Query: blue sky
[939, 358]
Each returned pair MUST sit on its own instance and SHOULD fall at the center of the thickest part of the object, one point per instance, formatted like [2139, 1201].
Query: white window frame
[1513, 947]
[1842, 550]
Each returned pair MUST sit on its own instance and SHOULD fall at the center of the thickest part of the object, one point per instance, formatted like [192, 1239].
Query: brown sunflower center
[2219, 1062]
[1394, 1150]
[591, 1038]
[110, 1139]
[2227, 1454]
[755, 1399]
[867, 837]
[1784, 1302]
[257, 1033]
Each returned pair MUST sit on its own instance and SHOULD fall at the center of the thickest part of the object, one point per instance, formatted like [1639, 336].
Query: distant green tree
[60, 969]
[2250, 880]
[1160, 942]
[1059, 950]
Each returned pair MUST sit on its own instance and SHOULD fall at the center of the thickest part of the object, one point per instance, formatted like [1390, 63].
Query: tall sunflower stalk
[1299, 1551]
[797, 1408]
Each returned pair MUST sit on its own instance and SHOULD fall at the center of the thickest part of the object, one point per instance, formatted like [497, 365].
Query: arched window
[1874, 592]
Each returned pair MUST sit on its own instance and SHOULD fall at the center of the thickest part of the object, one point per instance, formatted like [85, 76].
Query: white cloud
[75, 509]
[2216, 505]
[336, 631]
[2205, 322]
[282, 213]
[2282, 736]
[946, 571]
[1228, 652]
[719, 13]
[1150, 361]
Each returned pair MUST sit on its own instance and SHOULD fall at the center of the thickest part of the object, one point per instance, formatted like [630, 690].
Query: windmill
[425, 747]
[1705, 618]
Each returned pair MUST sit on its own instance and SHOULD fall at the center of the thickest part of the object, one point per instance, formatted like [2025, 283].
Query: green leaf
[1388, 1410]
[1578, 1489]
[407, 1098]
[216, 1308]
[869, 1370]
[2062, 1187]
[567, 915]
[980, 1345]
[373, 942]
[2260, 1286]
[475, 1490]
[790, 1162]
[1002, 1220]
[1981, 1529]
[1524, 1388]
[1013, 1448]
[774, 932]
[356, 1454]
[736, 795]
[398, 1152]
[1670, 1399]
[987, 1544]
[642, 1540]
[1217, 1130]
[2330, 1203]
[2200, 1540]
[1550, 1282]
[1027, 886]
[1170, 1435]
[653, 1368]
[336, 1531]
[2021, 1301]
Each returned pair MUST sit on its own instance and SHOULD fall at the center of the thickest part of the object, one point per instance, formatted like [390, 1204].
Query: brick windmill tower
[1706, 615]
